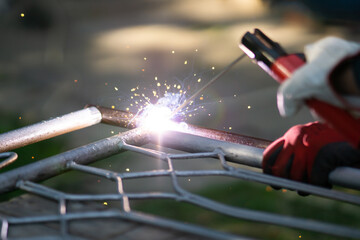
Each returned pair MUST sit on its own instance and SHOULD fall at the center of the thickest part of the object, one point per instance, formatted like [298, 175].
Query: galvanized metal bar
[132, 216]
[7, 158]
[57, 164]
[50, 128]
[248, 155]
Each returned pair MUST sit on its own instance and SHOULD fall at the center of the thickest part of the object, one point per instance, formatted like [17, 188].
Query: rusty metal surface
[128, 120]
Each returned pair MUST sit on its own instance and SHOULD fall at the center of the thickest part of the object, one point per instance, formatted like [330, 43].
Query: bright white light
[157, 117]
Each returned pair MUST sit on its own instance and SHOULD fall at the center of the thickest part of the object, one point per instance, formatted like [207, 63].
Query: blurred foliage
[255, 196]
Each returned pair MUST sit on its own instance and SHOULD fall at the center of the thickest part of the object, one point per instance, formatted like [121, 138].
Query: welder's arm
[308, 153]
[331, 74]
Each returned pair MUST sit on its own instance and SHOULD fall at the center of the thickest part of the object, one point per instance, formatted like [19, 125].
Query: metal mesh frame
[63, 216]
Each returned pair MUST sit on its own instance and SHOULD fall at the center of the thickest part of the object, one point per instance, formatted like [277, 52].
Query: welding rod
[225, 70]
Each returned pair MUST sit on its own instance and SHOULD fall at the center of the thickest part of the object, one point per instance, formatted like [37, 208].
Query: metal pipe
[240, 153]
[238, 148]
[57, 164]
[50, 128]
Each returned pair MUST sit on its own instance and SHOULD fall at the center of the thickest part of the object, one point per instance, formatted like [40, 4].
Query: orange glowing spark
[19, 118]
[201, 98]
[143, 70]
[113, 107]
[75, 81]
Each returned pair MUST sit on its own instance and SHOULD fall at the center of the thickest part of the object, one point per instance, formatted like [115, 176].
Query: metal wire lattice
[64, 217]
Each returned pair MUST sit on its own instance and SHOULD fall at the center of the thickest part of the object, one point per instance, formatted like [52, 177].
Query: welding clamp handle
[338, 118]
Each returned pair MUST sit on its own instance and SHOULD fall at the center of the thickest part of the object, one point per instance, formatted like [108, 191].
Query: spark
[19, 118]
[105, 203]
[127, 169]
[133, 89]
[213, 68]
[22, 15]
[75, 81]
[156, 78]
[158, 84]
[145, 58]
[199, 80]
[116, 89]
[185, 62]
[158, 117]
[249, 107]
[230, 128]
[172, 51]
[112, 107]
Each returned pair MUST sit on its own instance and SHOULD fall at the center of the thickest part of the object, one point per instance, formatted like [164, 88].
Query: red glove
[308, 153]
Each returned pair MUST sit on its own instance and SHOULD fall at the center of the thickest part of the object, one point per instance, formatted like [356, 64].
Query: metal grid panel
[63, 216]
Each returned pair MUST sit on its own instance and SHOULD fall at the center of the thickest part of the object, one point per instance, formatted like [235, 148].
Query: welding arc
[227, 68]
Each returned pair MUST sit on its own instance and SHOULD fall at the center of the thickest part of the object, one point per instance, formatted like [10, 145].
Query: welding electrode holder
[271, 57]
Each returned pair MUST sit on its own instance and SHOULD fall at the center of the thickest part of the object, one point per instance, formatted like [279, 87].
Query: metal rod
[57, 164]
[50, 128]
[249, 152]
[241, 153]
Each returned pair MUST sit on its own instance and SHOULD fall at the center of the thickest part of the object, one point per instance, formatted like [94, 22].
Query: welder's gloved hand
[312, 79]
[308, 153]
